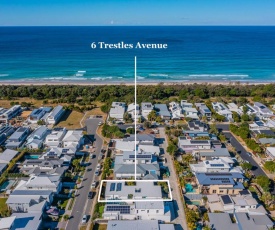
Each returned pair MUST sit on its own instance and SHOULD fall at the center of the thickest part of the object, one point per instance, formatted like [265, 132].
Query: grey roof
[27, 221]
[221, 152]
[29, 192]
[141, 137]
[38, 132]
[221, 221]
[163, 110]
[253, 222]
[56, 110]
[218, 178]
[3, 166]
[149, 205]
[18, 133]
[133, 225]
[8, 155]
[267, 141]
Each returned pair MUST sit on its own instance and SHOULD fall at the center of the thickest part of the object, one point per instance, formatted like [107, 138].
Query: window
[147, 211]
[221, 191]
[242, 206]
[214, 191]
[157, 211]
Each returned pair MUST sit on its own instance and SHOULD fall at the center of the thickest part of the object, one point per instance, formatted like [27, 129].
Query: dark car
[90, 195]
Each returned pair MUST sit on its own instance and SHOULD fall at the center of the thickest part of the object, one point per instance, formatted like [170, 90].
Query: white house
[191, 112]
[184, 104]
[117, 110]
[131, 110]
[138, 225]
[270, 152]
[73, 138]
[146, 108]
[36, 138]
[234, 108]
[7, 114]
[55, 115]
[221, 109]
[187, 145]
[54, 139]
[154, 210]
[176, 110]
[204, 110]
[37, 114]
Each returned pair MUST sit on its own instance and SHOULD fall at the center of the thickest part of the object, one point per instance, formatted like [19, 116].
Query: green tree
[171, 148]
[270, 166]
[246, 166]
[245, 117]
[264, 182]
[236, 117]
[152, 116]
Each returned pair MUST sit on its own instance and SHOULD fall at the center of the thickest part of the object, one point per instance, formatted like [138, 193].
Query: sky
[136, 12]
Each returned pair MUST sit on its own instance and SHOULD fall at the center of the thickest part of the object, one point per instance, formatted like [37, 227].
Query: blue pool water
[189, 188]
[6, 185]
[32, 156]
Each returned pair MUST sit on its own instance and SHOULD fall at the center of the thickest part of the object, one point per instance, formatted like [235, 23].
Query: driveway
[180, 219]
[82, 203]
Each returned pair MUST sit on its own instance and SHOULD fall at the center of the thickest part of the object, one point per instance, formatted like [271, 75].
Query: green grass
[71, 204]
[4, 211]
[101, 211]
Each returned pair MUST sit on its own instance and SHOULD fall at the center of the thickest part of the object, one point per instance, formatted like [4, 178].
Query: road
[81, 201]
[180, 220]
[257, 170]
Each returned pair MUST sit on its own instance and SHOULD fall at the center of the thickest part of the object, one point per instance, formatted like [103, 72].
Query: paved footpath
[180, 220]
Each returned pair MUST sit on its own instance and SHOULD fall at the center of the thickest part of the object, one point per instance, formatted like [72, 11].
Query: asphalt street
[241, 150]
[82, 202]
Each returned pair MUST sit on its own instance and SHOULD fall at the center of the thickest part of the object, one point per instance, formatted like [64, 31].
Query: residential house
[55, 138]
[202, 155]
[204, 110]
[267, 141]
[191, 113]
[140, 191]
[222, 110]
[36, 138]
[37, 114]
[5, 132]
[138, 225]
[176, 110]
[263, 112]
[7, 223]
[219, 183]
[222, 164]
[187, 145]
[5, 158]
[197, 126]
[184, 104]
[146, 108]
[163, 111]
[7, 114]
[26, 221]
[17, 139]
[132, 109]
[117, 110]
[73, 138]
[224, 221]
[55, 115]
[270, 152]
[64, 154]
[234, 108]
[243, 202]
[154, 210]
[147, 166]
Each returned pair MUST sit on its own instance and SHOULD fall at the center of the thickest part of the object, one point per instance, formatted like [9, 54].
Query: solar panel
[118, 187]
[198, 142]
[140, 156]
[112, 187]
[217, 165]
[125, 209]
[65, 150]
[226, 199]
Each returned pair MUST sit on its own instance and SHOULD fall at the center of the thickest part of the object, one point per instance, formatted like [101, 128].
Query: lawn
[71, 120]
[3, 207]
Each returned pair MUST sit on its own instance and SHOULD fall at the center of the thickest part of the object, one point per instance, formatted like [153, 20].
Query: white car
[84, 219]
[94, 184]
[100, 123]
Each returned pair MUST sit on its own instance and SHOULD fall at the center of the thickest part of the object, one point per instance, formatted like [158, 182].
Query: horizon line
[137, 25]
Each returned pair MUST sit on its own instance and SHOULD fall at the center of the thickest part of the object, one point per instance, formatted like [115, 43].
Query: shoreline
[82, 83]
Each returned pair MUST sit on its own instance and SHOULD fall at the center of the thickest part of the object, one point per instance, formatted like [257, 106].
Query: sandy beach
[87, 83]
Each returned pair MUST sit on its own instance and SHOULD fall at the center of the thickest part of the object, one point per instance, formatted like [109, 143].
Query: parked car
[90, 195]
[84, 219]
[249, 154]
[97, 172]
[98, 166]
[94, 184]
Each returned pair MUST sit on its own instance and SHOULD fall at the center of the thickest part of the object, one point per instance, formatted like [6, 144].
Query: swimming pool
[189, 188]
[194, 202]
[7, 185]
[32, 156]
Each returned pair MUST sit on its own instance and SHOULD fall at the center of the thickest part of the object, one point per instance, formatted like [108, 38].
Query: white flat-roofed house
[17, 139]
[7, 223]
[187, 145]
[138, 225]
[146, 108]
[117, 110]
[191, 113]
[7, 114]
[176, 110]
[55, 115]
[234, 108]
[147, 166]
[263, 111]
[73, 138]
[204, 110]
[5, 159]
[153, 210]
[270, 152]
[36, 138]
[185, 104]
[222, 110]
[131, 110]
[54, 139]
[140, 191]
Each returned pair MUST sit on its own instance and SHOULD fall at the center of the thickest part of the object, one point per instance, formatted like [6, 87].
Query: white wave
[81, 71]
[119, 77]
[140, 78]
[4, 75]
[219, 75]
[101, 78]
[158, 75]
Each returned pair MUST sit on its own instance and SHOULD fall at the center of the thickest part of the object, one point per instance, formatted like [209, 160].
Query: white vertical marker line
[135, 118]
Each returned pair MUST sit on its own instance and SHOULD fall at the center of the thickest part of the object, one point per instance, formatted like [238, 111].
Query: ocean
[64, 54]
